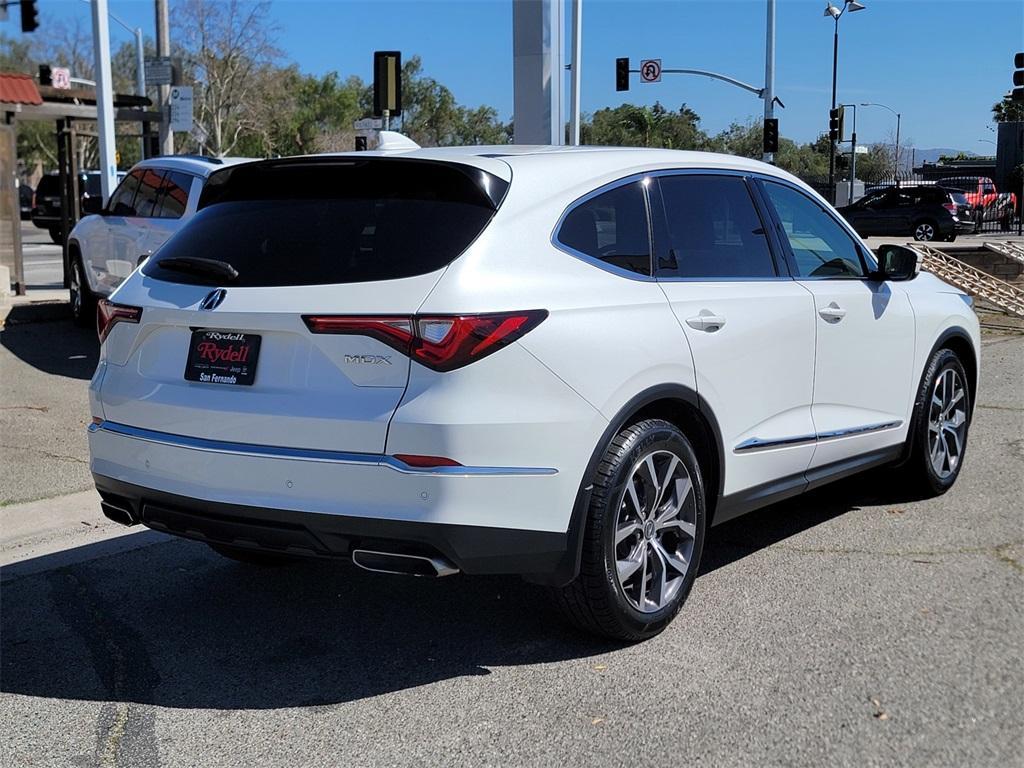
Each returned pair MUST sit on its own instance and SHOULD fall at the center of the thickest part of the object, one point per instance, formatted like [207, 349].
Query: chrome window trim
[655, 173]
[593, 260]
[758, 444]
[307, 454]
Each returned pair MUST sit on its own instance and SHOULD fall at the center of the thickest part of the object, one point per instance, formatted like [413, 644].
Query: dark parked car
[25, 194]
[922, 212]
[46, 211]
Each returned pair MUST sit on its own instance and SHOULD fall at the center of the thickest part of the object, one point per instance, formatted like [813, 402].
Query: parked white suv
[561, 363]
[149, 205]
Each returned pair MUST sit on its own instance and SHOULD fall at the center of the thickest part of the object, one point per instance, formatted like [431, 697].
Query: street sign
[159, 70]
[368, 124]
[650, 70]
[861, 149]
[60, 77]
[181, 108]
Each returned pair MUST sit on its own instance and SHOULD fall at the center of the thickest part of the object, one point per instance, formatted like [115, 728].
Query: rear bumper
[483, 519]
[475, 550]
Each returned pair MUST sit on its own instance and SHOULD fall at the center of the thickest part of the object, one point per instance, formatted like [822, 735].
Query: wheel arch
[677, 404]
[957, 340]
[75, 250]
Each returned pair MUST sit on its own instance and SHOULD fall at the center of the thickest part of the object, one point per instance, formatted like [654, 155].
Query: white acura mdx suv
[561, 363]
[150, 204]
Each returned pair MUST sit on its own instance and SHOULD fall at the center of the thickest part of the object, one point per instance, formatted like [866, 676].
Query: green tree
[1007, 111]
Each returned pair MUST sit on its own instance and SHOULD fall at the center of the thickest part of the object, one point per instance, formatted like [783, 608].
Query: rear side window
[174, 195]
[333, 221]
[611, 227]
[713, 229]
[123, 200]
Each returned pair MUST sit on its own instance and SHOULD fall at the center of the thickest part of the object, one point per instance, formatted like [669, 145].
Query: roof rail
[205, 158]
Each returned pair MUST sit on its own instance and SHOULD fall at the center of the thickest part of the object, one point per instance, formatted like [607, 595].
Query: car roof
[194, 164]
[568, 166]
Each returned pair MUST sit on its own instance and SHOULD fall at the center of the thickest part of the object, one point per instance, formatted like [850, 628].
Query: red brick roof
[16, 88]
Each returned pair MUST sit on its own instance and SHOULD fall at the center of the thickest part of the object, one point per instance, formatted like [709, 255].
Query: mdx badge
[369, 359]
[213, 299]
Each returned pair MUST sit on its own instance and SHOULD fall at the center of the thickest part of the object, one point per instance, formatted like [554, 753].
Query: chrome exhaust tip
[117, 514]
[407, 565]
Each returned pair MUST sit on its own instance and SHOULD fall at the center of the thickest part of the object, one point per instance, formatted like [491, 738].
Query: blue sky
[942, 63]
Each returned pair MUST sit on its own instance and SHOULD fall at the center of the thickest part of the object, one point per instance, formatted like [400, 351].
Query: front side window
[611, 227]
[122, 202]
[713, 229]
[820, 247]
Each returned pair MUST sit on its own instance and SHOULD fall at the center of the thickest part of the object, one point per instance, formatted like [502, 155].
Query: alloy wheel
[924, 232]
[947, 423]
[655, 531]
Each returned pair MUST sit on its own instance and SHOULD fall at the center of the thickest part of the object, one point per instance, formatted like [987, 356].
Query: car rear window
[340, 220]
[48, 185]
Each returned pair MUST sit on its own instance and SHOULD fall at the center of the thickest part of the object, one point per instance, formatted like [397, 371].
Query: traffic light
[29, 16]
[361, 144]
[771, 134]
[1018, 78]
[45, 74]
[835, 124]
[387, 83]
[622, 74]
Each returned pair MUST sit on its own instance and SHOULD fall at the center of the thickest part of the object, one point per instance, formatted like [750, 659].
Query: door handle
[706, 321]
[833, 313]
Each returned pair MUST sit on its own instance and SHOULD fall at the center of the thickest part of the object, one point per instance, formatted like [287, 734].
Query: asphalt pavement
[852, 626]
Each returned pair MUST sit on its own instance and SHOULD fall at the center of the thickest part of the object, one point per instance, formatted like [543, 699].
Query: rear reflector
[414, 460]
[440, 342]
[109, 314]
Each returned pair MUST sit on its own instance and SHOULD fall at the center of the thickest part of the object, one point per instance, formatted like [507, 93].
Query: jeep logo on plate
[369, 359]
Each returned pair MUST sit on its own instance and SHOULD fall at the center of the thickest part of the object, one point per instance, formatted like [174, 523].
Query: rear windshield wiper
[194, 265]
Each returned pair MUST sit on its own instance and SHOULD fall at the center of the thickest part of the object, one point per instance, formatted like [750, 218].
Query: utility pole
[574, 88]
[104, 98]
[769, 72]
[163, 48]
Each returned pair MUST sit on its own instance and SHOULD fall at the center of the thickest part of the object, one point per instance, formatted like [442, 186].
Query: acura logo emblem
[213, 299]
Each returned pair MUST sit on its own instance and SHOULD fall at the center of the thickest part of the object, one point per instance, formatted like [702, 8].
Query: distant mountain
[932, 155]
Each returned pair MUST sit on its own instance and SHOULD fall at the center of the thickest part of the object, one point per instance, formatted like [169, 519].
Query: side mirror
[93, 205]
[898, 262]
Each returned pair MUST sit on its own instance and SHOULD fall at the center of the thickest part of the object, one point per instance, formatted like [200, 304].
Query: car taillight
[440, 342]
[951, 207]
[109, 314]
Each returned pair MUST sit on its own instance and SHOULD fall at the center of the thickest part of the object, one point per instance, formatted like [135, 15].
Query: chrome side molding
[758, 444]
[309, 454]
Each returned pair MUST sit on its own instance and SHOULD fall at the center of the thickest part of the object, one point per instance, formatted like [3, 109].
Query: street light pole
[832, 141]
[896, 150]
[836, 14]
[769, 71]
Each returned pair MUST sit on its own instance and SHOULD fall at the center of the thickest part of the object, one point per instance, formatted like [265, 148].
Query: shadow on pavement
[173, 624]
[43, 336]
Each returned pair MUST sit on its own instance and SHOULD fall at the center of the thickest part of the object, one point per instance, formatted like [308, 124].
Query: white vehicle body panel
[526, 421]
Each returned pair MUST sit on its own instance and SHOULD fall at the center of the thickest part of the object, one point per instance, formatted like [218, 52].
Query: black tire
[923, 474]
[595, 601]
[253, 556]
[950, 238]
[83, 302]
[56, 235]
